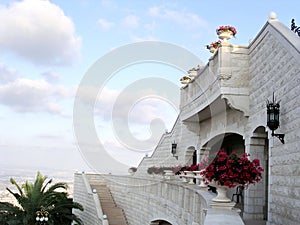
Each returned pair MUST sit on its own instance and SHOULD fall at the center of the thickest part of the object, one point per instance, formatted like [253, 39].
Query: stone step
[114, 214]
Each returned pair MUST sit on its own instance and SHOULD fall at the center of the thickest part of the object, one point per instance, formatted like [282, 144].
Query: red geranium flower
[230, 170]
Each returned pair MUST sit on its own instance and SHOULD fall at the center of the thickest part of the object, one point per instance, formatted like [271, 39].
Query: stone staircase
[115, 215]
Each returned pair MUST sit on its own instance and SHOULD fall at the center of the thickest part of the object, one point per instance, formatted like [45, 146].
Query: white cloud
[7, 74]
[51, 77]
[182, 18]
[154, 11]
[105, 24]
[151, 26]
[141, 110]
[124, 155]
[25, 95]
[130, 22]
[51, 136]
[39, 31]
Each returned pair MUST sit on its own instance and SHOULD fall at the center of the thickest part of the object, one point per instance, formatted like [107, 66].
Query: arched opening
[230, 142]
[191, 156]
[160, 222]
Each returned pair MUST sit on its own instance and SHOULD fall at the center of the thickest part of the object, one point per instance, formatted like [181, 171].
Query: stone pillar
[198, 155]
[255, 196]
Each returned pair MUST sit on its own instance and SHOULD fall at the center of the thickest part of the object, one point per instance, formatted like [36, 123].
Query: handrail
[97, 204]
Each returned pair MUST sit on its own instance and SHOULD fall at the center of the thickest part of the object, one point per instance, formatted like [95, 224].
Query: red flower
[230, 170]
[226, 28]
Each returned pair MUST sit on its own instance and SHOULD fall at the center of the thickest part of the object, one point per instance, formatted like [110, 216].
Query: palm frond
[12, 181]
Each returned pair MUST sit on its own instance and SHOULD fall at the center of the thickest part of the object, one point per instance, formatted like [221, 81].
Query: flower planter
[225, 35]
[226, 32]
[168, 174]
[183, 177]
[193, 73]
[212, 49]
[221, 194]
[199, 179]
[190, 176]
[231, 170]
[185, 81]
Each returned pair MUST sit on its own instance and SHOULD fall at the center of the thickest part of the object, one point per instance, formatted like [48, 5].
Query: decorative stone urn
[221, 201]
[169, 174]
[225, 35]
[185, 80]
[132, 171]
[183, 177]
[192, 73]
[190, 176]
[212, 49]
[221, 194]
[199, 178]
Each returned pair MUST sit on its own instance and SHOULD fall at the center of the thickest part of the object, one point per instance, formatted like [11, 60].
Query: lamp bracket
[279, 136]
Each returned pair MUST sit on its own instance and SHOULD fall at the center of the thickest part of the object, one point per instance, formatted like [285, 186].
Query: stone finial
[272, 16]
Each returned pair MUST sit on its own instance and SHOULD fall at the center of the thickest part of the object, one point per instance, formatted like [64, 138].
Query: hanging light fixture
[273, 117]
[173, 149]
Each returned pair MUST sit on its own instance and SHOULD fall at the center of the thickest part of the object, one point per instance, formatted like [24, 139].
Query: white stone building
[224, 106]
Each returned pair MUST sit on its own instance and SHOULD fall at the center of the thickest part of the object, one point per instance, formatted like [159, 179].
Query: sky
[48, 48]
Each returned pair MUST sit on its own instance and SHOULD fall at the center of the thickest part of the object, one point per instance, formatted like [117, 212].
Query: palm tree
[39, 200]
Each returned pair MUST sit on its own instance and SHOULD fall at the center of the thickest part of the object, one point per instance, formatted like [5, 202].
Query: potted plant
[232, 170]
[132, 170]
[185, 80]
[228, 28]
[193, 72]
[226, 32]
[212, 47]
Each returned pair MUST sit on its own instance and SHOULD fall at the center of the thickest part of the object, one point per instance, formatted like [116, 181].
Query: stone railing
[84, 195]
[224, 76]
[146, 200]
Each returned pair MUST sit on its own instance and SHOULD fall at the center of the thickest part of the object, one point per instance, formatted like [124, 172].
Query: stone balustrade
[84, 195]
[225, 76]
[146, 200]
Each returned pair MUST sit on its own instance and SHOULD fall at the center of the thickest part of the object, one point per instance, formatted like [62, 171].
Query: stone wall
[271, 63]
[145, 200]
[246, 78]
[92, 214]
[274, 66]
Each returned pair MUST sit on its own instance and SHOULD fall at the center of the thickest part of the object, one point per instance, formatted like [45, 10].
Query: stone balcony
[224, 77]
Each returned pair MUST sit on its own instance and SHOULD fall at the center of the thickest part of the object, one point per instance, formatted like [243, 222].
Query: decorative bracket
[238, 102]
[279, 136]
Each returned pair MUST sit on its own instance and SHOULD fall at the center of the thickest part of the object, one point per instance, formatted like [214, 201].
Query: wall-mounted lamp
[173, 150]
[273, 118]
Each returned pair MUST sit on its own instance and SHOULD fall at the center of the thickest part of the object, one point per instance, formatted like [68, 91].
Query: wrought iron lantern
[273, 117]
[173, 149]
